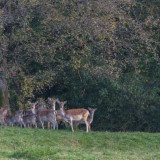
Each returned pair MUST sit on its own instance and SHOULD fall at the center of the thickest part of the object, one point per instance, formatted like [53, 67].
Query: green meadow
[38, 144]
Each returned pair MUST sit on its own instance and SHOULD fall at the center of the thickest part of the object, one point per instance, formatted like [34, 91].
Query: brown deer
[31, 109]
[3, 113]
[74, 115]
[90, 118]
[59, 116]
[29, 119]
[16, 118]
[41, 106]
[53, 101]
[8, 120]
[48, 115]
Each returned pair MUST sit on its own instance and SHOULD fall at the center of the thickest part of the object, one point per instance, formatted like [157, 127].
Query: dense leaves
[103, 54]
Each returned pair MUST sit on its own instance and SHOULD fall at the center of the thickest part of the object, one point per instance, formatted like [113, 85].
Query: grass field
[38, 144]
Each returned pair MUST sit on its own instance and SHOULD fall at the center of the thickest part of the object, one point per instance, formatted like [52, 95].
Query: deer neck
[91, 116]
[33, 111]
[54, 107]
[63, 113]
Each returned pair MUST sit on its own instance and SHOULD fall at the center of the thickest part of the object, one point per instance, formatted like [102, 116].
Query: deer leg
[76, 125]
[3, 123]
[11, 124]
[53, 124]
[49, 125]
[24, 125]
[56, 125]
[87, 126]
[35, 124]
[42, 124]
[71, 124]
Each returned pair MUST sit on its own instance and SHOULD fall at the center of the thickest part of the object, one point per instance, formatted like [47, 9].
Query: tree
[86, 52]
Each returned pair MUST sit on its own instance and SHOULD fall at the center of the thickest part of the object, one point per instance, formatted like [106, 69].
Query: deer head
[33, 107]
[92, 110]
[61, 104]
[53, 102]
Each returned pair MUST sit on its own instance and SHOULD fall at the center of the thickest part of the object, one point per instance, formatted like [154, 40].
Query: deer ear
[29, 102]
[49, 98]
[65, 102]
[58, 101]
[89, 108]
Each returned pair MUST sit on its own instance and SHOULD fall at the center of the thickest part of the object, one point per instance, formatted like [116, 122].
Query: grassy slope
[36, 144]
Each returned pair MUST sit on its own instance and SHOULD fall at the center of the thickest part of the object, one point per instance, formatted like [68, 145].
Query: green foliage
[102, 54]
[2, 100]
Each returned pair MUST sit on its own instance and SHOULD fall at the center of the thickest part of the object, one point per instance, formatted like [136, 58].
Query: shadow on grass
[22, 155]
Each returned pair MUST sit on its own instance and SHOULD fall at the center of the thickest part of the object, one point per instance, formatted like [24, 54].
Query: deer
[3, 114]
[53, 101]
[48, 115]
[59, 116]
[74, 115]
[41, 106]
[90, 118]
[16, 118]
[31, 117]
[9, 120]
[31, 109]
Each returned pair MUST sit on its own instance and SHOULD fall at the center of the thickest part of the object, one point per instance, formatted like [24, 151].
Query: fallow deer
[9, 120]
[74, 115]
[59, 117]
[16, 118]
[30, 118]
[90, 118]
[48, 115]
[41, 106]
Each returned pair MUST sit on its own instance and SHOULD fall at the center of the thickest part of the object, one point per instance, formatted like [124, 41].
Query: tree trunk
[4, 94]
[6, 18]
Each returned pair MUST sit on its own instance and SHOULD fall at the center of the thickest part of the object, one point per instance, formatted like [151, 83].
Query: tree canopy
[102, 54]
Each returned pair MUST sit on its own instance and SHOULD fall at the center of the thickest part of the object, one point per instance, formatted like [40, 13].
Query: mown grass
[38, 144]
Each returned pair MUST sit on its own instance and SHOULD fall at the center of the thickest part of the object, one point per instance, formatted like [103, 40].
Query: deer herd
[38, 115]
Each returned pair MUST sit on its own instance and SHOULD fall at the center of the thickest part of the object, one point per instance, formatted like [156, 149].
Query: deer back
[77, 114]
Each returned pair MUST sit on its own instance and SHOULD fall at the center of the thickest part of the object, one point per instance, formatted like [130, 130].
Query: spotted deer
[59, 116]
[53, 101]
[8, 120]
[48, 115]
[41, 106]
[74, 115]
[89, 119]
[30, 118]
[16, 118]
